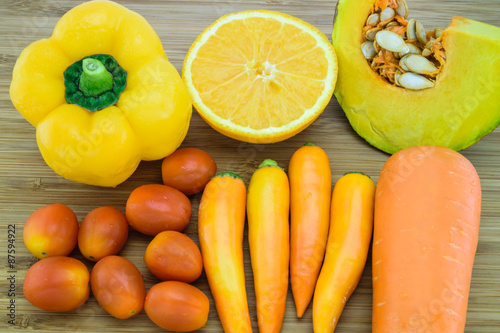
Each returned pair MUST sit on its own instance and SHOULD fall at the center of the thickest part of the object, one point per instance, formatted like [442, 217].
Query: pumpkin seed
[414, 81]
[438, 32]
[402, 63]
[413, 49]
[387, 14]
[373, 19]
[397, 76]
[421, 34]
[410, 30]
[391, 41]
[399, 29]
[402, 8]
[381, 72]
[368, 50]
[370, 34]
[392, 24]
[376, 47]
[419, 64]
[426, 52]
[429, 44]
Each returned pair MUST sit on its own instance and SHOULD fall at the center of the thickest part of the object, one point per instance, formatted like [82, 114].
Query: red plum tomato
[188, 170]
[118, 286]
[172, 255]
[154, 208]
[177, 306]
[50, 231]
[57, 284]
[103, 232]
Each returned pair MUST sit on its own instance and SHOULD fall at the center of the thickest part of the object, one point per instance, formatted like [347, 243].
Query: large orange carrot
[310, 192]
[221, 219]
[268, 237]
[427, 211]
[351, 224]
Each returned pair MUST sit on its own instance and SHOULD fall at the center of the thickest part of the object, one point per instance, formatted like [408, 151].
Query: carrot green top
[269, 163]
[228, 174]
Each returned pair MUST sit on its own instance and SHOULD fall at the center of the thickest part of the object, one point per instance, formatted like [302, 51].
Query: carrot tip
[301, 308]
[300, 313]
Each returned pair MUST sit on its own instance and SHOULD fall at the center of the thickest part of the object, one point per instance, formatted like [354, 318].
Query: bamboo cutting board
[26, 183]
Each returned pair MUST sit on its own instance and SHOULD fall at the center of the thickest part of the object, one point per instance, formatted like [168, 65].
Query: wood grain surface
[27, 183]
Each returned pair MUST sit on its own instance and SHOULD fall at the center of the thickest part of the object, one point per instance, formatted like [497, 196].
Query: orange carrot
[427, 212]
[351, 224]
[310, 192]
[221, 219]
[268, 205]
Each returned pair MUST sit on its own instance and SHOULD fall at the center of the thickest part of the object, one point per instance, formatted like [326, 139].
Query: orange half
[260, 76]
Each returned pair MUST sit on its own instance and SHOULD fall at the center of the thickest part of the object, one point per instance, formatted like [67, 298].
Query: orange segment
[260, 76]
[209, 68]
[301, 64]
[219, 99]
[301, 88]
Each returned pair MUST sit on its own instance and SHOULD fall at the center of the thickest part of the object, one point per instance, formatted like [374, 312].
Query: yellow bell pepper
[102, 95]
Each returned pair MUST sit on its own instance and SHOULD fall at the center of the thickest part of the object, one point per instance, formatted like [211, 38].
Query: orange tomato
[177, 306]
[57, 284]
[172, 255]
[188, 170]
[103, 232]
[51, 231]
[154, 208]
[118, 286]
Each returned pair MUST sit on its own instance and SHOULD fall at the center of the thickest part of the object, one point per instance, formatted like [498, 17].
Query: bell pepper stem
[95, 79]
[94, 82]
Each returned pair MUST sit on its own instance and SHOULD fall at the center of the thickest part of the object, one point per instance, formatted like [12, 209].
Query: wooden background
[26, 183]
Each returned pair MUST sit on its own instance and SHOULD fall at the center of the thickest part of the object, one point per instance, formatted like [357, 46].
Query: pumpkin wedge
[452, 98]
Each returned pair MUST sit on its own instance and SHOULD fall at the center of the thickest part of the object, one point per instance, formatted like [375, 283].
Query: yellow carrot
[351, 224]
[268, 237]
[221, 219]
[310, 192]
